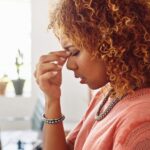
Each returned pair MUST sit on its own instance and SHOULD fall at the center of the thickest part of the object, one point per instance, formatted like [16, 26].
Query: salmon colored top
[126, 127]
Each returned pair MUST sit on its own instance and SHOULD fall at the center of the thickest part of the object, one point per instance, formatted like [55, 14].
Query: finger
[46, 67]
[63, 59]
[49, 58]
[62, 53]
[55, 56]
[47, 76]
[61, 62]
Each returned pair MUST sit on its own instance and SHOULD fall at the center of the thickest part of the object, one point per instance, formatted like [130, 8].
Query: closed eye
[75, 53]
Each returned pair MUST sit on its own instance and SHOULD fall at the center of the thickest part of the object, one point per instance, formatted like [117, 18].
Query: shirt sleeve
[137, 139]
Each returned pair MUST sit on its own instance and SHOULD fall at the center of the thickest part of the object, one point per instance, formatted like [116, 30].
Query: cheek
[97, 80]
[83, 63]
[98, 73]
[102, 71]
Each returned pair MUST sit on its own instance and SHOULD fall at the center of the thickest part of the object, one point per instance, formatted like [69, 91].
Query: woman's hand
[48, 73]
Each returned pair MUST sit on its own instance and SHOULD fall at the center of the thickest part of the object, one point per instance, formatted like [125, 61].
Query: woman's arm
[48, 75]
[54, 135]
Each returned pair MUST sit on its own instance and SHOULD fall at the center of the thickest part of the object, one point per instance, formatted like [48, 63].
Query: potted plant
[19, 82]
[3, 84]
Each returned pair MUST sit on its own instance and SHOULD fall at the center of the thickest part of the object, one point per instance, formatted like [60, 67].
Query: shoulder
[133, 127]
[137, 138]
[136, 104]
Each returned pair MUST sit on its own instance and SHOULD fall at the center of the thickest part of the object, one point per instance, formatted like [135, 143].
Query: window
[15, 30]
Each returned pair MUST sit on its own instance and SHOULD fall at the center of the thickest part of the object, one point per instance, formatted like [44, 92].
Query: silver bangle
[53, 121]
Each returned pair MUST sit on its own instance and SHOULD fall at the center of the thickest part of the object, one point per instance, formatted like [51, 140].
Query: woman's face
[91, 71]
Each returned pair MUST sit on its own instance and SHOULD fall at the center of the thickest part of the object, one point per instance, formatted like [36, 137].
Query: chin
[96, 86]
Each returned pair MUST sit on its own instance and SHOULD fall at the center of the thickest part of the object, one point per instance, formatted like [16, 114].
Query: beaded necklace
[99, 116]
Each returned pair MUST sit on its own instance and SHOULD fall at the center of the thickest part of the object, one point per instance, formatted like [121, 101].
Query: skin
[91, 71]
[48, 75]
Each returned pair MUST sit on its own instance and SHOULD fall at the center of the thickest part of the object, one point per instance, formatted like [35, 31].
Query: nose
[71, 64]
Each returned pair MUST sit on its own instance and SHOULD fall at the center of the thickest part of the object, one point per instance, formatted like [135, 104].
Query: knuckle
[42, 58]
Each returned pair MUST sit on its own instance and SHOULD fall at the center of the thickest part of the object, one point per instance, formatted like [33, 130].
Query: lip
[83, 80]
[76, 76]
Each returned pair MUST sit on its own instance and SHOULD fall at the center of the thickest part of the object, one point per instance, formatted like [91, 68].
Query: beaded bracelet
[53, 121]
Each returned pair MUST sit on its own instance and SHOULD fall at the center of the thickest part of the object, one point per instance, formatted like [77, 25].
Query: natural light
[15, 33]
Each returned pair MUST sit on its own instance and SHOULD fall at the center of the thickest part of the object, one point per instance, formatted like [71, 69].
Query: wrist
[53, 120]
[53, 109]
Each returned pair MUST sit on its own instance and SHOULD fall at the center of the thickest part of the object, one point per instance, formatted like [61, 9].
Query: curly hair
[117, 31]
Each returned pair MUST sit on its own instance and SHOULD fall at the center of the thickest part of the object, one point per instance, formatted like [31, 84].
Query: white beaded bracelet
[53, 121]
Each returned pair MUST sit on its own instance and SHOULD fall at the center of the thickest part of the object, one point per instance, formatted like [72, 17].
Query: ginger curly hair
[117, 31]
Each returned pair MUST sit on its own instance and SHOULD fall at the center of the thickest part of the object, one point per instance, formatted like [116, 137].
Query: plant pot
[18, 86]
[3, 87]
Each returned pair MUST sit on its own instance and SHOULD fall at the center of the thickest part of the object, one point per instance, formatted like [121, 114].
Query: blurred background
[23, 39]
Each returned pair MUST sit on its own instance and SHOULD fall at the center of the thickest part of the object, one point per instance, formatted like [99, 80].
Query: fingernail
[54, 62]
[68, 53]
[54, 73]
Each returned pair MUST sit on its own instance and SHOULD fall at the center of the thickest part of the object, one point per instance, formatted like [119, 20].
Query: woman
[107, 45]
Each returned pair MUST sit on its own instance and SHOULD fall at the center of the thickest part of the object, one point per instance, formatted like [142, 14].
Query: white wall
[74, 97]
